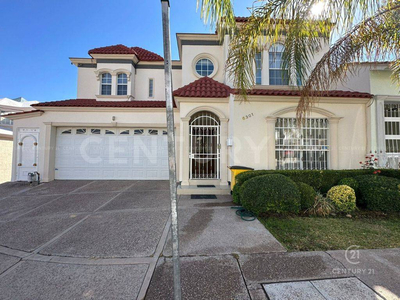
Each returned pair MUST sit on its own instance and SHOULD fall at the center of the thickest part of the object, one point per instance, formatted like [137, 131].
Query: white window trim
[205, 56]
[101, 84]
[125, 84]
[281, 69]
[149, 88]
[261, 68]
[304, 148]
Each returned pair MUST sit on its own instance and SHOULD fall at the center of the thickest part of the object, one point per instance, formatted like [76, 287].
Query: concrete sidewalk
[291, 276]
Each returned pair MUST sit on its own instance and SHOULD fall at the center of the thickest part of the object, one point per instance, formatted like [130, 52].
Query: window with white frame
[3, 120]
[277, 75]
[204, 67]
[301, 148]
[258, 61]
[151, 88]
[106, 81]
[392, 128]
[122, 84]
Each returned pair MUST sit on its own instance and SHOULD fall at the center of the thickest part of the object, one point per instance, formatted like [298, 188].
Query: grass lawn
[333, 233]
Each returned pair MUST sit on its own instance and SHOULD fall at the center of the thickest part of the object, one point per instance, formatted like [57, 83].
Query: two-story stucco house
[115, 128]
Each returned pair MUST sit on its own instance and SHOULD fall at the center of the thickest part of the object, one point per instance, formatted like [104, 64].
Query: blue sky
[37, 38]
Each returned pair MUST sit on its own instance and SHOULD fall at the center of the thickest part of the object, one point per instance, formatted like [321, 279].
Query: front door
[27, 153]
[205, 146]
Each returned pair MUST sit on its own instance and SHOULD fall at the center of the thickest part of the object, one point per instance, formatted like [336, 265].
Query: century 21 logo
[352, 254]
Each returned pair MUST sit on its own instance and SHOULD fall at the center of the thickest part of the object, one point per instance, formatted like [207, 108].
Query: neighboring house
[383, 113]
[6, 133]
[115, 129]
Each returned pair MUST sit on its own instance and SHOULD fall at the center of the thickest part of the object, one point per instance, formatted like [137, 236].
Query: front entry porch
[204, 154]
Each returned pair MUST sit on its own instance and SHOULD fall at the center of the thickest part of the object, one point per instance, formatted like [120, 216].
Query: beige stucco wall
[250, 137]
[381, 83]
[190, 55]
[6, 150]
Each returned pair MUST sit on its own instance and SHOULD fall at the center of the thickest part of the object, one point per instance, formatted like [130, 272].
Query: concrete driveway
[110, 240]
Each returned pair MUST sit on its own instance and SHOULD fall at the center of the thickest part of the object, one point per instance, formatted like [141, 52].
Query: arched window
[122, 82]
[277, 75]
[258, 62]
[106, 84]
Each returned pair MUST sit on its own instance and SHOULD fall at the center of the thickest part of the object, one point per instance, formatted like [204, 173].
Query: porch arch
[215, 111]
[185, 158]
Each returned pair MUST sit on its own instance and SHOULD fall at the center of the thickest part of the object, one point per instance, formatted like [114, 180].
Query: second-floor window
[106, 82]
[277, 75]
[258, 62]
[151, 88]
[122, 84]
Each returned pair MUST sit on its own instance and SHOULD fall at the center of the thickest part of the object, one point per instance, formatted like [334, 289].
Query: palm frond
[219, 13]
[373, 39]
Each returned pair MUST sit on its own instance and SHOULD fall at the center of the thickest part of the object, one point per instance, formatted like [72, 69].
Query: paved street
[110, 240]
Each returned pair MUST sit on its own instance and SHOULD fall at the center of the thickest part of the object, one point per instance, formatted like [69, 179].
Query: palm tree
[369, 30]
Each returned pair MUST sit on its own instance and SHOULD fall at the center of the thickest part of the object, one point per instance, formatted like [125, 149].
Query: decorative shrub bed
[320, 180]
[270, 193]
[343, 198]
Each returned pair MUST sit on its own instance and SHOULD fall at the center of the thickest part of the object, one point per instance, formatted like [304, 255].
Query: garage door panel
[102, 156]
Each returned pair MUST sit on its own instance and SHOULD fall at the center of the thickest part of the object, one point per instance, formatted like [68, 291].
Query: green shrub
[270, 193]
[378, 193]
[307, 195]
[351, 182]
[343, 198]
[236, 194]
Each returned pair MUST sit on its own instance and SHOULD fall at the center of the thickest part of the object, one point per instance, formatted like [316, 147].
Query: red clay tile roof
[297, 93]
[95, 103]
[114, 49]
[147, 55]
[142, 54]
[241, 19]
[204, 87]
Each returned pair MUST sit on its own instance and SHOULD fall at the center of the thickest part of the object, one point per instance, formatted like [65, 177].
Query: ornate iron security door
[204, 146]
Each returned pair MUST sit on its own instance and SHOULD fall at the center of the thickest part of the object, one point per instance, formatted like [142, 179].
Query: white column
[334, 142]
[113, 84]
[271, 161]
[224, 152]
[185, 152]
[380, 124]
[265, 68]
[49, 153]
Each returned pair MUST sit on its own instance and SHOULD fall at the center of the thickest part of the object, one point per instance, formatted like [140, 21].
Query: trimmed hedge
[307, 195]
[270, 193]
[378, 193]
[320, 180]
[351, 182]
[343, 198]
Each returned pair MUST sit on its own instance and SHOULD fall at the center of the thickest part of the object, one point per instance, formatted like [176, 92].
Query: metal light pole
[171, 148]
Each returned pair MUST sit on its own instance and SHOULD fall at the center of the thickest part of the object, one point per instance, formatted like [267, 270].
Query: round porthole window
[204, 67]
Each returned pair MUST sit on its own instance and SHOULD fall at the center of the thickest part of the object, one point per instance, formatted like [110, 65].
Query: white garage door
[110, 153]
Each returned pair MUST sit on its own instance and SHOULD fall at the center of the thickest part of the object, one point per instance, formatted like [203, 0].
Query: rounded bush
[270, 193]
[351, 182]
[236, 194]
[343, 198]
[378, 193]
[307, 195]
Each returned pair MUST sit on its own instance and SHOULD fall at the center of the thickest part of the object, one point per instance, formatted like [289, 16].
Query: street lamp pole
[171, 147]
